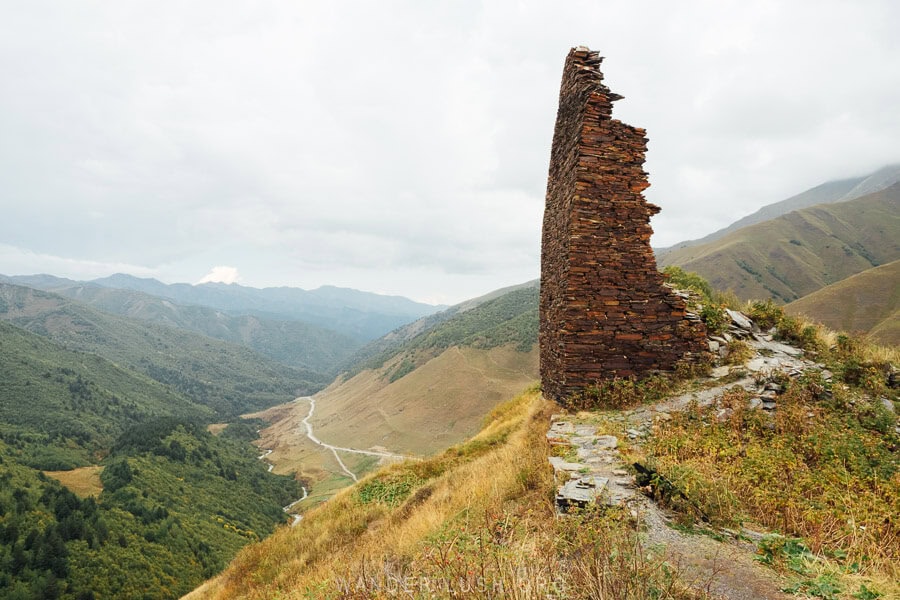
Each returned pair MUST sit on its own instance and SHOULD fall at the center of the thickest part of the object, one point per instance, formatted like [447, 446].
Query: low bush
[824, 471]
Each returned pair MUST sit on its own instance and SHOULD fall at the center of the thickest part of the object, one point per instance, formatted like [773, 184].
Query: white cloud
[221, 274]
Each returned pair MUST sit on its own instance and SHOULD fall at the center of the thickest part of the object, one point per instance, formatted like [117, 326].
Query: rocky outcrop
[604, 309]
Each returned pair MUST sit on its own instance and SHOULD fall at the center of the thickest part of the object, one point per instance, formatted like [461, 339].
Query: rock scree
[604, 310]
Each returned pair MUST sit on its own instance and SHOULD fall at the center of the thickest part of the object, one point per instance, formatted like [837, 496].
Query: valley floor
[370, 421]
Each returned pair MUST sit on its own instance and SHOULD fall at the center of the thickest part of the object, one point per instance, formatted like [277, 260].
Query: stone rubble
[594, 455]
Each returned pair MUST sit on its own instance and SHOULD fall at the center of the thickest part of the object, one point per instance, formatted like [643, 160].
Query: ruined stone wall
[604, 309]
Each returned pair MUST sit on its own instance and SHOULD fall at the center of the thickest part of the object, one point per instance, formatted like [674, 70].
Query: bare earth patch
[83, 482]
[216, 428]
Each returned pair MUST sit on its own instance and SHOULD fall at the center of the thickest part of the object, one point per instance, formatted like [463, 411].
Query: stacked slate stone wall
[605, 312]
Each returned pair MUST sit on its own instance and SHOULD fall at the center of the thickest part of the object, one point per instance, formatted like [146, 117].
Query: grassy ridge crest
[866, 303]
[793, 255]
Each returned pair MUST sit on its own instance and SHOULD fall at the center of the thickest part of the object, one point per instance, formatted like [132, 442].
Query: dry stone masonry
[604, 309]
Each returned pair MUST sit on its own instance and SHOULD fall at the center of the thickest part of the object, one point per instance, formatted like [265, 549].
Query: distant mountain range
[362, 316]
[293, 343]
[225, 377]
[827, 193]
[802, 251]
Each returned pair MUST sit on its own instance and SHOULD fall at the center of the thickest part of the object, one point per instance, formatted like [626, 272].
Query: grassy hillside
[798, 253]
[508, 316]
[473, 522]
[171, 506]
[826, 193]
[811, 490]
[407, 517]
[376, 352]
[867, 303]
[419, 390]
[435, 405]
[62, 409]
[228, 378]
[293, 343]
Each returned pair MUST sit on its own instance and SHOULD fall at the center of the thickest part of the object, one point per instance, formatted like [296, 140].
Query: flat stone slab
[581, 492]
[583, 441]
[592, 455]
[775, 363]
[606, 441]
[779, 348]
[561, 464]
[719, 372]
[561, 428]
[740, 319]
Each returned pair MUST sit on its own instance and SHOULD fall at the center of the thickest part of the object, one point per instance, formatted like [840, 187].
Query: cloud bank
[402, 147]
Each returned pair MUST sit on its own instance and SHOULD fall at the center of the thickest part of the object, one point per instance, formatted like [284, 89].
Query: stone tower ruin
[604, 311]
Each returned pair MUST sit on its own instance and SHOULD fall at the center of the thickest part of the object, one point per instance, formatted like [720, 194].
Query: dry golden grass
[475, 521]
[478, 519]
[439, 404]
[822, 469]
[881, 354]
[345, 531]
[83, 482]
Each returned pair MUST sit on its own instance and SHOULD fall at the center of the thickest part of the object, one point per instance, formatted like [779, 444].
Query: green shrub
[715, 318]
[390, 489]
[621, 392]
[738, 352]
[766, 314]
[690, 281]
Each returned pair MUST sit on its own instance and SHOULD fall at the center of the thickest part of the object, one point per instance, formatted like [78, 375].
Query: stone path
[725, 569]
[598, 473]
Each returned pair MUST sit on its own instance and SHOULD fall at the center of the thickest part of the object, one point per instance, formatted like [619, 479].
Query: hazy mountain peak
[881, 179]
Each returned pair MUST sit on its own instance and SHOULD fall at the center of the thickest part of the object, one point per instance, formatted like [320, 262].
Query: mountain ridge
[293, 343]
[830, 192]
[797, 253]
[405, 333]
[226, 377]
[362, 315]
[867, 302]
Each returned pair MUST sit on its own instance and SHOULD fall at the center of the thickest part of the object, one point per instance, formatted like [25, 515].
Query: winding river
[287, 509]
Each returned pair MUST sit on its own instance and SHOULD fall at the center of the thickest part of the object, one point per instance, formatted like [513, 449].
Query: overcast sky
[402, 147]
